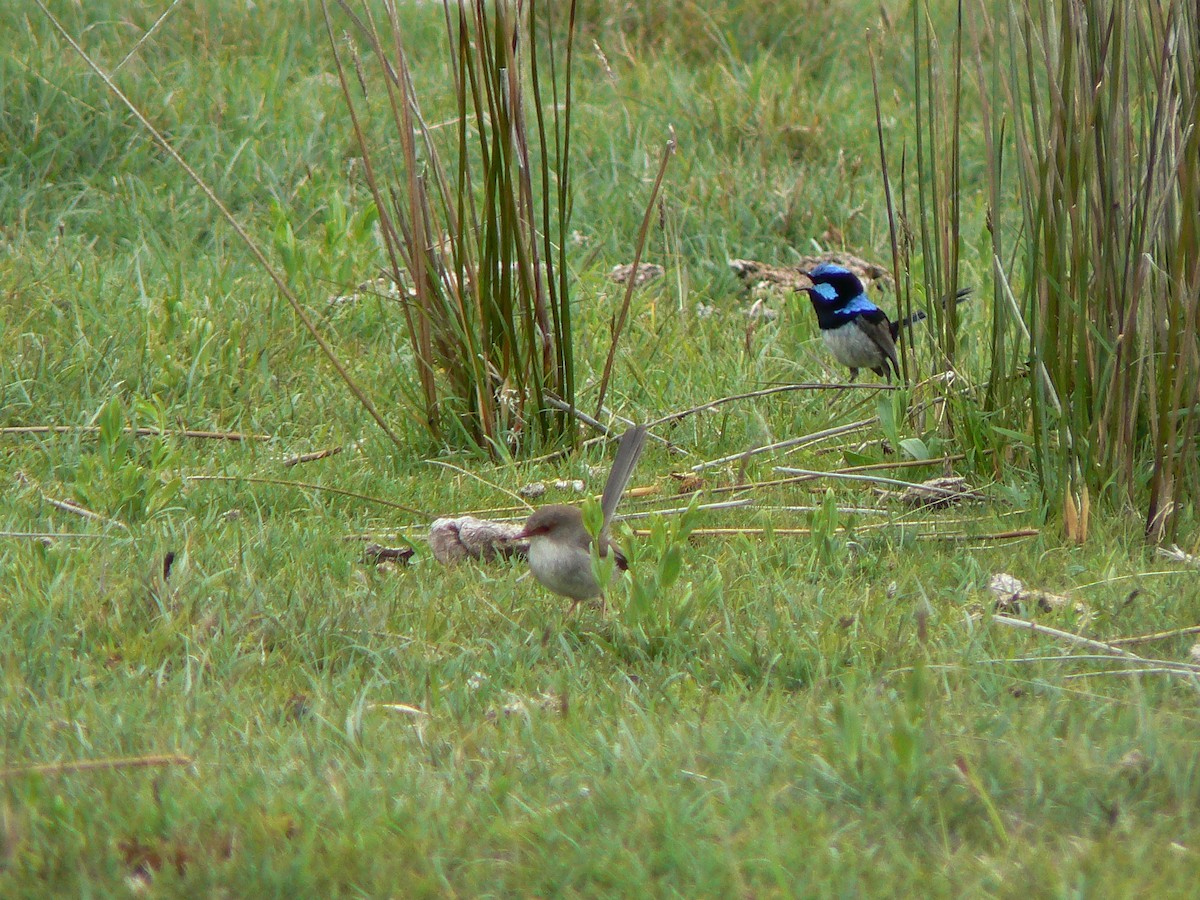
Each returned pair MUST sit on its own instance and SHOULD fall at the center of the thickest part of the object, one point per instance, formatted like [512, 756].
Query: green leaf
[670, 566]
[1020, 437]
[904, 745]
[593, 517]
[886, 411]
[111, 422]
[854, 458]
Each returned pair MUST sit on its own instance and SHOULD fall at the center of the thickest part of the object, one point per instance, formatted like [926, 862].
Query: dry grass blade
[1094, 657]
[311, 457]
[997, 536]
[680, 510]
[790, 443]
[51, 535]
[869, 479]
[94, 765]
[867, 467]
[1191, 673]
[1026, 625]
[149, 32]
[233, 436]
[76, 510]
[674, 417]
[309, 486]
[1156, 636]
[441, 463]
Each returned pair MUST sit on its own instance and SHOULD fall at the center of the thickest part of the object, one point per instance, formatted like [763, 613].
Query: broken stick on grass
[1191, 675]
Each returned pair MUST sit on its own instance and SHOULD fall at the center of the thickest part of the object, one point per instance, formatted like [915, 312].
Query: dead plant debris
[1012, 596]
[646, 272]
[452, 540]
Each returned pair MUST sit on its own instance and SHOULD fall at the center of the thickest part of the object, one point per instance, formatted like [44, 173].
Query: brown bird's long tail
[628, 451]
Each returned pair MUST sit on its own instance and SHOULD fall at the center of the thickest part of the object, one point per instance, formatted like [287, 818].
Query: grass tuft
[475, 222]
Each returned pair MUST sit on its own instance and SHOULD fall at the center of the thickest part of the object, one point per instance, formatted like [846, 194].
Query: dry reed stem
[92, 765]
[309, 486]
[235, 436]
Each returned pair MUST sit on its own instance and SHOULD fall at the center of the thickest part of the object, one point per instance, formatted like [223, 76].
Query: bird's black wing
[876, 326]
[618, 557]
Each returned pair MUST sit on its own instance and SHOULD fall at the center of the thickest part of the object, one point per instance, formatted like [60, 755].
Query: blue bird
[857, 332]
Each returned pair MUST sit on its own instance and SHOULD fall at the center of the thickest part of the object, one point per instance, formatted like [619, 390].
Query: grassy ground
[829, 714]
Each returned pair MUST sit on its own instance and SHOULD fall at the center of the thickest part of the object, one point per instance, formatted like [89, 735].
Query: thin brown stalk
[1156, 636]
[309, 486]
[997, 536]
[140, 432]
[146, 35]
[50, 535]
[789, 443]
[76, 510]
[311, 457]
[765, 392]
[643, 232]
[93, 765]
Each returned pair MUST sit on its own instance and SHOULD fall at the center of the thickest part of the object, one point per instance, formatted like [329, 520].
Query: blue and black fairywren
[857, 332]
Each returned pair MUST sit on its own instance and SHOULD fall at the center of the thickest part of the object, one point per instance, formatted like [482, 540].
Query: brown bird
[560, 547]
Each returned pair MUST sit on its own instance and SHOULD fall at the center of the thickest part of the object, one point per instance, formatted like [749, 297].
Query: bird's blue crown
[827, 270]
[838, 288]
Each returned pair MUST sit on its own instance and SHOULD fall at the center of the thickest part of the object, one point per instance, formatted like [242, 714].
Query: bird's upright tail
[628, 451]
[909, 321]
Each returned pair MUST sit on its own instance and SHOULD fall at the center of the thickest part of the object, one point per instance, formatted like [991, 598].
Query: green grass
[797, 731]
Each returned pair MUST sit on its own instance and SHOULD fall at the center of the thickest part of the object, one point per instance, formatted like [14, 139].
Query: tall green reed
[1093, 188]
[1101, 99]
[924, 214]
[474, 217]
